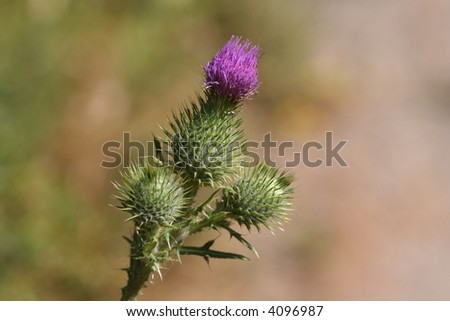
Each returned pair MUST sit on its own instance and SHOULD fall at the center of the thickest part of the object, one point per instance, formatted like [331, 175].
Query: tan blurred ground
[376, 73]
[378, 229]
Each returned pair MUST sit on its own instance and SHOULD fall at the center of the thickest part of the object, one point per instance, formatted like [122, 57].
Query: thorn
[207, 261]
[159, 273]
[132, 217]
[126, 238]
[208, 244]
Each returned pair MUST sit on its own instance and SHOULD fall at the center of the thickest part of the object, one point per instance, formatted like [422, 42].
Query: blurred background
[75, 74]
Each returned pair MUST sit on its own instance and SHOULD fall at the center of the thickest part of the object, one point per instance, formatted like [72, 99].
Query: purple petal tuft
[233, 71]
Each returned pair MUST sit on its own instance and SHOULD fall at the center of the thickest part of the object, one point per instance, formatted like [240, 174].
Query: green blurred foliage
[59, 237]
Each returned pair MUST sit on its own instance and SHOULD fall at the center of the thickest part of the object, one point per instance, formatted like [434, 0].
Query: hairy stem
[136, 281]
[148, 242]
[138, 272]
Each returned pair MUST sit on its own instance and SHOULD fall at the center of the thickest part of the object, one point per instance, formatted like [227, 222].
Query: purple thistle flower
[233, 71]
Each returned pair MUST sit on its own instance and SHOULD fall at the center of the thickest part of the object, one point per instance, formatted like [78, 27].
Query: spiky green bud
[205, 141]
[262, 195]
[152, 195]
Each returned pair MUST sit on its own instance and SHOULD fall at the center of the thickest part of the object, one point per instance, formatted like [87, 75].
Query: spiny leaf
[240, 238]
[205, 252]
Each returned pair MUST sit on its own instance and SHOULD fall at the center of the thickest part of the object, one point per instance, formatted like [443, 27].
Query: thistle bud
[152, 194]
[205, 141]
[261, 196]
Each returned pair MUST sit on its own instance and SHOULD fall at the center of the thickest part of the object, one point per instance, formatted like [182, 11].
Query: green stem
[136, 281]
[140, 269]
[210, 221]
[138, 272]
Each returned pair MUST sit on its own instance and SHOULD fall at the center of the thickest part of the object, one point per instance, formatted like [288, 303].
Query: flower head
[152, 194]
[233, 70]
[262, 195]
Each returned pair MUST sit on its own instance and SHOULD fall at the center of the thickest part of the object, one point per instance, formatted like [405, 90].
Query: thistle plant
[204, 143]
